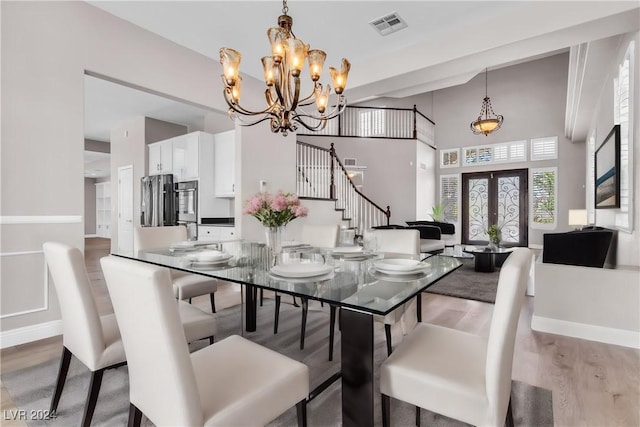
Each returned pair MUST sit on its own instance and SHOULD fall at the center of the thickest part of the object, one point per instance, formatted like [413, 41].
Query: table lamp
[578, 218]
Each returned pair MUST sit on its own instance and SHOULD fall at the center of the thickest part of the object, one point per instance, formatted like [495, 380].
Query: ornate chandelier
[285, 108]
[487, 121]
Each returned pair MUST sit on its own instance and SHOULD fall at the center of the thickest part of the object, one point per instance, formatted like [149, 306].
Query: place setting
[209, 260]
[301, 268]
[400, 268]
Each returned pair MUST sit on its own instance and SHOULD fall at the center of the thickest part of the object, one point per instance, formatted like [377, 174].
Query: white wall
[46, 49]
[89, 206]
[628, 251]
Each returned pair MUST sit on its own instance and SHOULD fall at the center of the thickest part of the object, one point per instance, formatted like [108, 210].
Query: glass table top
[345, 280]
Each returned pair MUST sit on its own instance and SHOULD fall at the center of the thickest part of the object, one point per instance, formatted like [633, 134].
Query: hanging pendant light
[487, 121]
[285, 105]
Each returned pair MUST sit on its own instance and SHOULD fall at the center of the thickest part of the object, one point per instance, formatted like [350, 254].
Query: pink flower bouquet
[275, 210]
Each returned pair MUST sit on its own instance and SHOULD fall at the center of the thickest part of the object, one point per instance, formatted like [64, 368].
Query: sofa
[430, 236]
[447, 230]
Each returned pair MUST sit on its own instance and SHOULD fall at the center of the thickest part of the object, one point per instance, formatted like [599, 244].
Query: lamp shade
[578, 217]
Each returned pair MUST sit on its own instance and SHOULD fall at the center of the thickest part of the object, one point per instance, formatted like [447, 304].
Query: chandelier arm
[255, 122]
[296, 93]
[321, 125]
[278, 84]
[238, 108]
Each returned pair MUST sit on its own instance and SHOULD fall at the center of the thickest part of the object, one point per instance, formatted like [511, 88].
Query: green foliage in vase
[495, 233]
[437, 213]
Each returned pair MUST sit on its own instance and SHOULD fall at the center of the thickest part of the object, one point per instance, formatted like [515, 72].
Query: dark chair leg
[295, 304]
[301, 410]
[135, 416]
[303, 326]
[386, 410]
[417, 416]
[419, 307]
[211, 339]
[92, 397]
[277, 315]
[261, 296]
[332, 329]
[62, 376]
[321, 304]
[387, 333]
[189, 300]
[212, 297]
[509, 421]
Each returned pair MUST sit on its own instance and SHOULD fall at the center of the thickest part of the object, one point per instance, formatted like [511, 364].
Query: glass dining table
[351, 281]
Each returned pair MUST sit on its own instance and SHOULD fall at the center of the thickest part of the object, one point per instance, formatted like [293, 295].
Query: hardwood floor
[593, 384]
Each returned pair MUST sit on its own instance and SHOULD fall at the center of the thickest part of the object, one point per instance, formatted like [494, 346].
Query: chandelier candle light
[285, 108]
[487, 121]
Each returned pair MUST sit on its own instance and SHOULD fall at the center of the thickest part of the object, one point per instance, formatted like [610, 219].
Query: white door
[125, 210]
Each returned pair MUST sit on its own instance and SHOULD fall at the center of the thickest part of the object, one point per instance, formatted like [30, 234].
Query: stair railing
[321, 175]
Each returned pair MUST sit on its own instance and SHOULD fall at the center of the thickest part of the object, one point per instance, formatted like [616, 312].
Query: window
[544, 148]
[372, 123]
[514, 151]
[449, 158]
[544, 190]
[450, 196]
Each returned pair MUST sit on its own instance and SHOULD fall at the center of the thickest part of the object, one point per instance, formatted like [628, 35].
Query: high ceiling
[446, 43]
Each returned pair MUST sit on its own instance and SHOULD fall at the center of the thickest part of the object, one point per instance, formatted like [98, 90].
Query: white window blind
[518, 151]
[543, 194]
[501, 153]
[449, 158]
[450, 196]
[372, 123]
[544, 148]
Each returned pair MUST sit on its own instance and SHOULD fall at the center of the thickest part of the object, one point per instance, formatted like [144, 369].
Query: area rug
[31, 388]
[467, 283]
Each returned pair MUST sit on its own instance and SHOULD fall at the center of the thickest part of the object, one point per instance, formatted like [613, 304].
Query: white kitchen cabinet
[186, 155]
[224, 164]
[212, 233]
[103, 209]
[161, 157]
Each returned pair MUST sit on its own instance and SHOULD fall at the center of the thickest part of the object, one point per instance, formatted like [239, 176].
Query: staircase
[322, 176]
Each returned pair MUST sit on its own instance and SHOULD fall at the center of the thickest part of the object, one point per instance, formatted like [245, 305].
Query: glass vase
[274, 241]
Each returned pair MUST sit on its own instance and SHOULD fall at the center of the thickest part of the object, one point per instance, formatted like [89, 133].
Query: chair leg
[189, 300]
[509, 421]
[301, 410]
[332, 329]
[212, 297]
[303, 326]
[135, 416]
[277, 315]
[295, 304]
[261, 296]
[211, 339]
[387, 333]
[386, 410]
[62, 376]
[419, 307]
[417, 416]
[92, 397]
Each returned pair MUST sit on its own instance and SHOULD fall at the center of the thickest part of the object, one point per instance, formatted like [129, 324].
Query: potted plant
[437, 213]
[495, 235]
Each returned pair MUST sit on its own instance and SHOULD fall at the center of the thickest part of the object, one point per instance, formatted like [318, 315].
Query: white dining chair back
[320, 236]
[399, 241]
[512, 285]
[157, 237]
[82, 332]
[161, 381]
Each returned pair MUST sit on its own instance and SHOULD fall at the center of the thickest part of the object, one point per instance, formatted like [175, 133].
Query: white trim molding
[45, 290]
[585, 331]
[40, 219]
[30, 333]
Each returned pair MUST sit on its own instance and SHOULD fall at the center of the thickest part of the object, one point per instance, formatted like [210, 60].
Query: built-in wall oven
[187, 201]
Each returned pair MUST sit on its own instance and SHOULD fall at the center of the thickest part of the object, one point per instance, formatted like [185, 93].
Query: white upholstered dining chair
[458, 374]
[185, 285]
[93, 339]
[233, 382]
[396, 242]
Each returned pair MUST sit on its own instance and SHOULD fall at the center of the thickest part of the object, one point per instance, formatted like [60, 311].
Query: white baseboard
[86, 236]
[30, 333]
[585, 331]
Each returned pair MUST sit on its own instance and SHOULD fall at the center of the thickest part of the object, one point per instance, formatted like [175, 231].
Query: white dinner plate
[397, 264]
[347, 249]
[296, 269]
[203, 258]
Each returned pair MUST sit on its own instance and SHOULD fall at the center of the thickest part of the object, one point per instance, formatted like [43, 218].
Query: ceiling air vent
[388, 24]
[349, 161]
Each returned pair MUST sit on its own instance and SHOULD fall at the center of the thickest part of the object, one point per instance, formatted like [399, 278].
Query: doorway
[495, 197]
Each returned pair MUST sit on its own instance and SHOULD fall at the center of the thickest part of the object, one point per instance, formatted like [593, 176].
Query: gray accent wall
[89, 206]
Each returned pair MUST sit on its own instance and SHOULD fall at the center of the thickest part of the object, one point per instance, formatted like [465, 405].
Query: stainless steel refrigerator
[157, 201]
